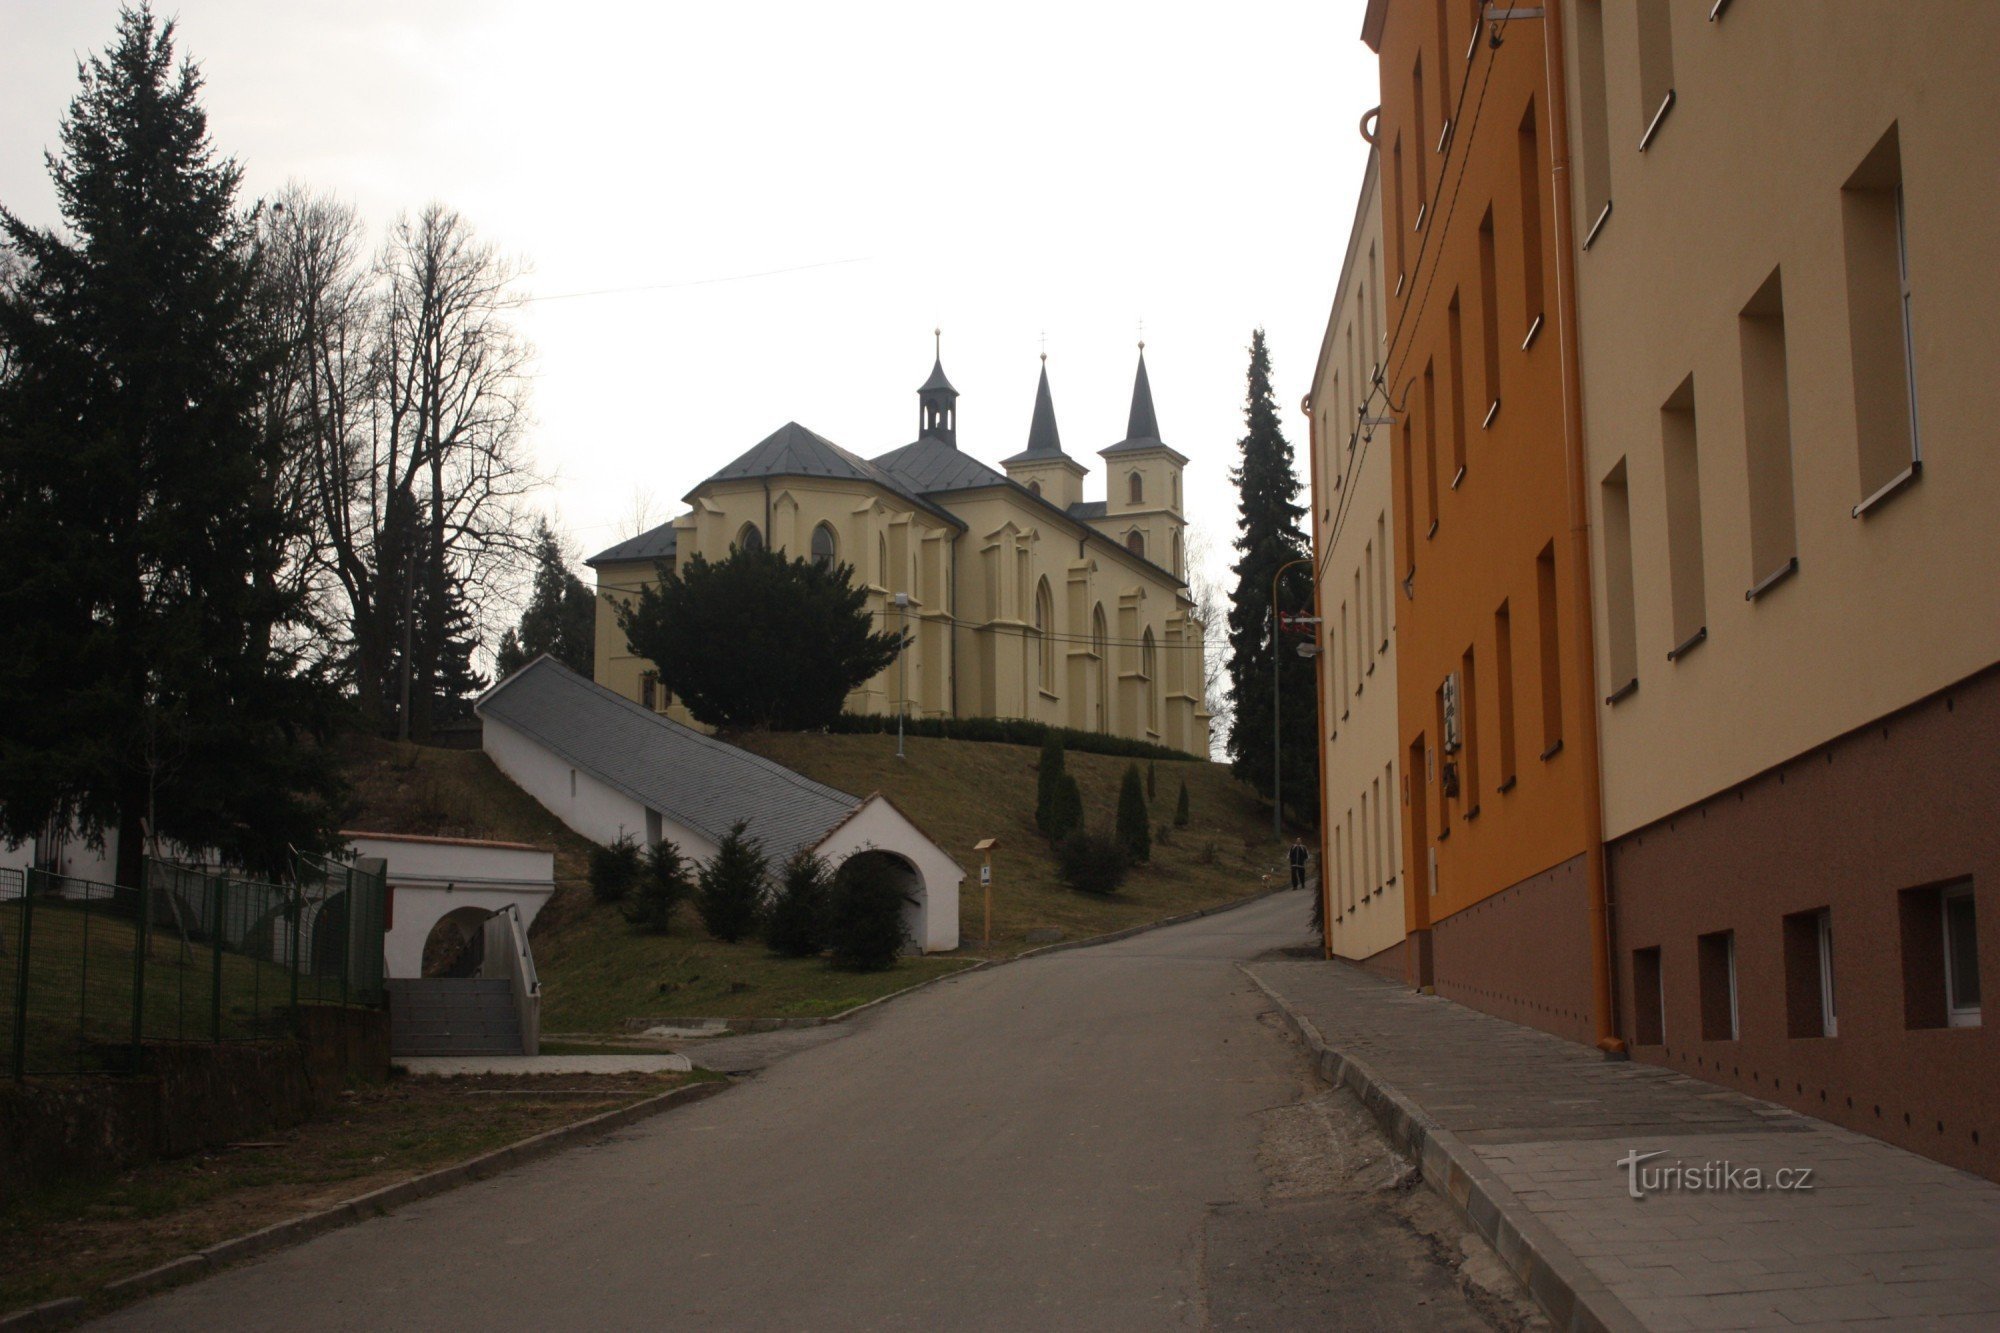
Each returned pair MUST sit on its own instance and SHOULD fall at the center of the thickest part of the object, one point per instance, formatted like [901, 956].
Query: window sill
[1423, 210]
[1050, 695]
[1688, 645]
[1590, 237]
[1472, 814]
[1371, 671]
[1430, 534]
[1716, 12]
[1444, 833]
[1659, 119]
[1507, 786]
[1553, 750]
[1623, 692]
[1534, 331]
[1491, 413]
[1772, 579]
[1456, 478]
[1399, 283]
[1895, 487]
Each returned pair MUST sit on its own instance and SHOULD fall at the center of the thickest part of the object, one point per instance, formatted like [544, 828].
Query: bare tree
[642, 513]
[1211, 609]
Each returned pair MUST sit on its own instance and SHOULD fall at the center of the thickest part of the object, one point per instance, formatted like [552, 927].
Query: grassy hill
[597, 970]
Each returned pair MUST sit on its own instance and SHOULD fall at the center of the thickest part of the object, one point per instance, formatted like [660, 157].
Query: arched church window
[882, 558]
[1177, 554]
[1135, 542]
[1034, 488]
[823, 545]
[1137, 485]
[1177, 490]
[749, 539]
[1045, 624]
[1147, 670]
[1098, 649]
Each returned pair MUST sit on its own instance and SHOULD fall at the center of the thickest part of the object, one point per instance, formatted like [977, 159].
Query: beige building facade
[1353, 548]
[1023, 600]
[1788, 218]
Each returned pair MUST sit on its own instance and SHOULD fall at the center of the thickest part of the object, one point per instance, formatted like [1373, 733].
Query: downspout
[1584, 630]
[1319, 680]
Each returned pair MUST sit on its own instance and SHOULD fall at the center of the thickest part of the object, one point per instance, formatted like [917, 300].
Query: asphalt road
[1108, 1138]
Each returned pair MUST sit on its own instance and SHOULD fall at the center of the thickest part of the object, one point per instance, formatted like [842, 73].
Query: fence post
[140, 932]
[220, 885]
[20, 1052]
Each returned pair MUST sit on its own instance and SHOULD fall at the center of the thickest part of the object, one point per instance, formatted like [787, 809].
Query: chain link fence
[90, 972]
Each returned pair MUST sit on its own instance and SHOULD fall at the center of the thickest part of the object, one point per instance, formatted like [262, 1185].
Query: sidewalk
[1525, 1131]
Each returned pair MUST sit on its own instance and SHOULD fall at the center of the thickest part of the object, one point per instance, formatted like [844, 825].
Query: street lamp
[1277, 706]
[902, 670]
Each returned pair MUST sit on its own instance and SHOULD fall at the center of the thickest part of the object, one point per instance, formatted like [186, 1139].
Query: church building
[1022, 599]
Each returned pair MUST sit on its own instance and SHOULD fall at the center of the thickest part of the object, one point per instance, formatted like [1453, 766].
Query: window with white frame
[1961, 957]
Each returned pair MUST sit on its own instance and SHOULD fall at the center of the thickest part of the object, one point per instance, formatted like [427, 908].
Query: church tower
[1143, 508]
[937, 402]
[1043, 467]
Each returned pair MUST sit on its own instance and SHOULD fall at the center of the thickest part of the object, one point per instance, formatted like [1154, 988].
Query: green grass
[597, 971]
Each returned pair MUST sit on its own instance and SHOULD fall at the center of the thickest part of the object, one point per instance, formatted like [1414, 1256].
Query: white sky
[1006, 171]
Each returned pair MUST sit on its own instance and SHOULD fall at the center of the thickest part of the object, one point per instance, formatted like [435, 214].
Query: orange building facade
[1501, 832]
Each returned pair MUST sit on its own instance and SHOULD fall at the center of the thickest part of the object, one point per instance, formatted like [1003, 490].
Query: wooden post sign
[985, 848]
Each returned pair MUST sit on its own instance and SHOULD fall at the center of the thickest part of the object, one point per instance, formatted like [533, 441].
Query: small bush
[1066, 808]
[614, 870]
[1049, 773]
[1206, 856]
[865, 918]
[795, 924]
[664, 884]
[732, 886]
[1135, 832]
[1091, 863]
[1181, 807]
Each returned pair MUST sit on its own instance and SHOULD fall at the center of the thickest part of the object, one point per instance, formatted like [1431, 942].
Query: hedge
[1006, 731]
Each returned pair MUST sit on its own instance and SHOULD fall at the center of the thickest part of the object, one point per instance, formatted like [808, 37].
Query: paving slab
[1561, 1140]
[637, 1062]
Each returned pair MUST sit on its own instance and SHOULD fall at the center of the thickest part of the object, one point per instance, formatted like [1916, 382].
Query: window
[1396, 174]
[1489, 320]
[1809, 974]
[1767, 430]
[1715, 955]
[1177, 552]
[1149, 673]
[1045, 624]
[1388, 598]
[882, 560]
[1878, 324]
[1097, 649]
[749, 539]
[572, 784]
[1503, 691]
[1649, 998]
[1621, 618]
[823, 544]
[1940, 937]
[1961, 958]
[1177, 490]
[1455, 348]
[1387, 783]
[1595, 117]
[1468, 723]
[1368, 564]
[1135, 542]
[1423, 143]
[1430, 446]
[1551, 651]
[1408, 451]
[1682, 461]
[1034, 488]
[1136, 484]
[1656, 68]
[649, 687]
[1529, 146]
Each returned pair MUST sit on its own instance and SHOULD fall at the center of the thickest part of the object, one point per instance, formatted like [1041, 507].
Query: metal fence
[90, 972]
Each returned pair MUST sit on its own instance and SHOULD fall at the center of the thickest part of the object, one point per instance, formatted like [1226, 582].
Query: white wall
[431, 877]
[880, 826]
[598, 812]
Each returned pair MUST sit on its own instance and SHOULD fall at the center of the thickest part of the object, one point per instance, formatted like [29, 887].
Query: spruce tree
[1181, 807]
[560, 618]
[1135, 830]
[1268, 537]
[1065, 808]
[153, 659]
[663, 883]
[796, 924]
[1048, 777]
[732, 885]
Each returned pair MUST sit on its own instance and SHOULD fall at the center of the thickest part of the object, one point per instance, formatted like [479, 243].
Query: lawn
[72, 1238]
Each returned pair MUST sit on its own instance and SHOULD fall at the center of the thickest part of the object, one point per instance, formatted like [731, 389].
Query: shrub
[614, 869]
[1181, 807]
[1206, 856]
[1049, 774]
[795, 924]
[1091, 862]
[865, 919]
[1066, 809]
[1006, 730]
[664, 884]
[1135, 833]
[732, 886]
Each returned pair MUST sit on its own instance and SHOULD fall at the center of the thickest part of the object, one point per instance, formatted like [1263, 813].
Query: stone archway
[456, 945]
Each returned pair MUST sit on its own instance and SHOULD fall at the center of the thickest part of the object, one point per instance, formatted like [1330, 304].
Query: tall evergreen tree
[149, 663]
[561, 615]
[1268, 537]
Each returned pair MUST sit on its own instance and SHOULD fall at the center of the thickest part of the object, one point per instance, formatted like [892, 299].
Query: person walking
[1298, 857]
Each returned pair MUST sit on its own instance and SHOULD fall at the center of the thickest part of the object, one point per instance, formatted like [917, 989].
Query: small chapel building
[1023, 599]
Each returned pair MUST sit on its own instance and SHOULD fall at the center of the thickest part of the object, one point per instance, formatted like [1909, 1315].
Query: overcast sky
[1008, 172]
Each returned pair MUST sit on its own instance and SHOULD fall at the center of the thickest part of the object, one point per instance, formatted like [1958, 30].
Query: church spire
[1142, 424]
[937, 401]
[1043, 438]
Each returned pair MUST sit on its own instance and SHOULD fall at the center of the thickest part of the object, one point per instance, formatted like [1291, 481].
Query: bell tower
[937, 402]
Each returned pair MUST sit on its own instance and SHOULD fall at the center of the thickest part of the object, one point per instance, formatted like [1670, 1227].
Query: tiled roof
[654, 544]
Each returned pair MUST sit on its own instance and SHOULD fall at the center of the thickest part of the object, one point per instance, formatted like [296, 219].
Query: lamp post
[902, 670]
[1277, 706]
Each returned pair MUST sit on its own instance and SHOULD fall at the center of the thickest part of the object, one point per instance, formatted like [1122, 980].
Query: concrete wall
[432, 877]
[879, 825]
[599, 812]
[1353, 543]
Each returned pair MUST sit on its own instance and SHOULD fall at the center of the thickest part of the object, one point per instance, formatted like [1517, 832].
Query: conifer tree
[153, 663]
[1268, 537]
[1181, 807]
[1048, 776]
[1135, 829]
[560, 618]
[1065, 808]
[663, 883]
[796, 924]
[732, 885]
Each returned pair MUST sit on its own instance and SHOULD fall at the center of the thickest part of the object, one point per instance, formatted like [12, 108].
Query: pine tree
[865, 927]
[732, 885]
[663, 884]
[152, 655]
[796, 924]
[1135, 830]
[1048, 776]
[1065, 808]
[1269, 537]
[560, 618]
[1181, 807]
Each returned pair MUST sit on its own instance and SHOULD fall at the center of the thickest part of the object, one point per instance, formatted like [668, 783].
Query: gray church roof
[793, 451]
[937, 382]
[931, 467]
[1087, 509]
[1142, 427]
[654, 544]
[1044, 442]
[692, 779]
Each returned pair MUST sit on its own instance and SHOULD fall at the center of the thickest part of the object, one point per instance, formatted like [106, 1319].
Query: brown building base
[1868, 828]
[1523, 954]
[1386, 963]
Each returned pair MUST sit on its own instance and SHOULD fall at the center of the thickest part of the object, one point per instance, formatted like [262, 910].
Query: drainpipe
[1583, 627]
[1319, 682]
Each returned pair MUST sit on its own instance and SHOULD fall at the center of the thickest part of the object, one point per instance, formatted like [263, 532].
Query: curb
[1569, 1293]
[296, 1230]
